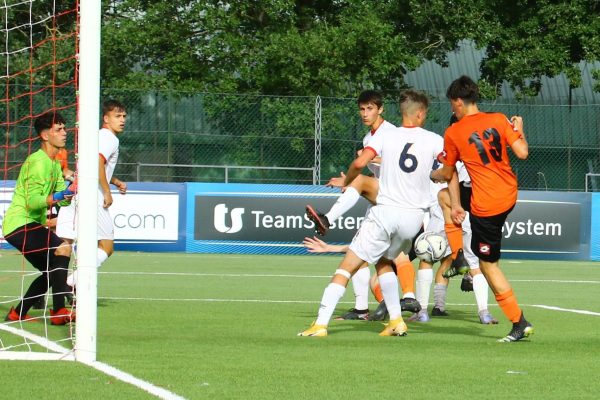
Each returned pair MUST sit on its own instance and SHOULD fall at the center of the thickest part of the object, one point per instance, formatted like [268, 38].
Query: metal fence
[207, 137]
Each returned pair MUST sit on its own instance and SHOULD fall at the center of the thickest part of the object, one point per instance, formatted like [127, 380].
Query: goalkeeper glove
[60, 196]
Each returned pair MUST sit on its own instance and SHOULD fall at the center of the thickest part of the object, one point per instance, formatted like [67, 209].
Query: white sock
[424, 280]
[439, 296]
[389, 288]
[480, 289]
[331, 295]
[360, 284]
[408, 295]
[72, 278]
[345, 202]
[101, 256]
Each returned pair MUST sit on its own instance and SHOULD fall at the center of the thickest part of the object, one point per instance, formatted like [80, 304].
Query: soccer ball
[430, 247]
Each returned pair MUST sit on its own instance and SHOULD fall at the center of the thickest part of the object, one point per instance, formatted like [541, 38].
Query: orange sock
[406, 276]
[508, 303]
[377, 293]
[454, 235]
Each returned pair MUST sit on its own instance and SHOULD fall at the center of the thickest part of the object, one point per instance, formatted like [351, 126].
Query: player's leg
[440, 289]
[402, 225]
[406, 275]
[389, 288]
[454, 236]
[477, 282]
[60, 259]
[486, 243]
[360, 285]
[106, 235]
[333, 293]
[424, 281]
[362, 185]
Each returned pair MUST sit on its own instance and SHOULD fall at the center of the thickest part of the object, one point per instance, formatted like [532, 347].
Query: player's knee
[63, 250]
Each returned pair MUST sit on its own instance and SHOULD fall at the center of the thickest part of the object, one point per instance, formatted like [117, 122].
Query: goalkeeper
[39, 186]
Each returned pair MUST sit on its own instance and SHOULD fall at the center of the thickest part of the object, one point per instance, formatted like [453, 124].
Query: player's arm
[520, 146]
[104, 186]
[443, 174]
[122, 186]
[457, 211]
[316, 245]
[359, 163]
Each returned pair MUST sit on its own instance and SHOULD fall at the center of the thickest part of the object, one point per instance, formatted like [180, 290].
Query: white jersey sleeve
[407, 158]
[108, 147]
[385, 126]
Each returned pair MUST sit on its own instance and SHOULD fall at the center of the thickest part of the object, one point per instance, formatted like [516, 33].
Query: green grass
[224, 327]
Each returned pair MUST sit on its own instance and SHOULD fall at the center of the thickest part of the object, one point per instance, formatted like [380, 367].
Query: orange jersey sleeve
[62, 157]
[480, 141]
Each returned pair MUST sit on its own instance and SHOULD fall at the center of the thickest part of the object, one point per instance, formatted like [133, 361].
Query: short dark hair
[463, 88]
[47, 121]
[414, 96]
[110, 105]
[412, 100]
[370, 96]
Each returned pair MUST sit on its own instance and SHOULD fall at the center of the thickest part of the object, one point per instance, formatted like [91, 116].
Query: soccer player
[407, 156]
[40, 185]
[114, 116]
[425, 276]
[370, 107]
[480, 140]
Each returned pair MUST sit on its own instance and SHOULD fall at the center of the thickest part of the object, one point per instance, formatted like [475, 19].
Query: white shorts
[385, 232]
[66, 224]
[436, 224]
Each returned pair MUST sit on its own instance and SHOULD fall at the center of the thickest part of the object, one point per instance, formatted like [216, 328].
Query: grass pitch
[224, 327]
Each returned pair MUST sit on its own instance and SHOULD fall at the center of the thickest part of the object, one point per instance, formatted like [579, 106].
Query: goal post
[50, 62]
[87, 167]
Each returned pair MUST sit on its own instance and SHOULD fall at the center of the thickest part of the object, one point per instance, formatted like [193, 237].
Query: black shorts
[465, 195]
[486, 241]
[37, 243]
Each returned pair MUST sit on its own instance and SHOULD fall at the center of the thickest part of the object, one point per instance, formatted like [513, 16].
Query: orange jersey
[480, 141]
[62, 157]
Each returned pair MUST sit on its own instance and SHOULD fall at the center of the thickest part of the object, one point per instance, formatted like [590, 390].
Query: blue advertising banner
[260, 219]
[150, 217]
[269, 219]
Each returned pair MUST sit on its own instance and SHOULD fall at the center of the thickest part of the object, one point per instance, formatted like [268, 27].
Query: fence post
[317, 164]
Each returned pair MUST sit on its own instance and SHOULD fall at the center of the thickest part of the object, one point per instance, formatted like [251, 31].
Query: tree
[337, 48]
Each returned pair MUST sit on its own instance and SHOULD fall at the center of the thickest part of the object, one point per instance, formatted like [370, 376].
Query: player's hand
[122, 186]
[108, 200]
[66, 194]
[458, 215]
[315, 245]
[517, 122]
[337, 181]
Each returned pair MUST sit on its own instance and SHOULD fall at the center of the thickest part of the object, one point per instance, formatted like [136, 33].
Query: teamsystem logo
[220, 220]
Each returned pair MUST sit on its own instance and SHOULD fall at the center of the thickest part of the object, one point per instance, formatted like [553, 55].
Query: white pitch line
[63, 354]
[263, 301]
[128, 378]
[302, 276]
[585, 312]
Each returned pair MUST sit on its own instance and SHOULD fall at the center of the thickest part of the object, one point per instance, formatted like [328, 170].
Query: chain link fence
[205, 137]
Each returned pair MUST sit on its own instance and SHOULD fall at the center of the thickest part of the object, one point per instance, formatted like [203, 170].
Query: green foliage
[288, 47]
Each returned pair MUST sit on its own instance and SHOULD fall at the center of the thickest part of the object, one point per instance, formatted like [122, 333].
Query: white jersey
[108, 147]
[385, 126]
[407, 158]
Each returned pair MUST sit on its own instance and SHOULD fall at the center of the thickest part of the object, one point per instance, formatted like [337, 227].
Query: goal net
[39, 71]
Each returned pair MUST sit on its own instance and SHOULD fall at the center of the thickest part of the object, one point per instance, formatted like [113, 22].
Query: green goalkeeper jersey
[39, 177]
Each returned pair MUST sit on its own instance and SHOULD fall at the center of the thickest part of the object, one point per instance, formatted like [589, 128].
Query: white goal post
[87, 166]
